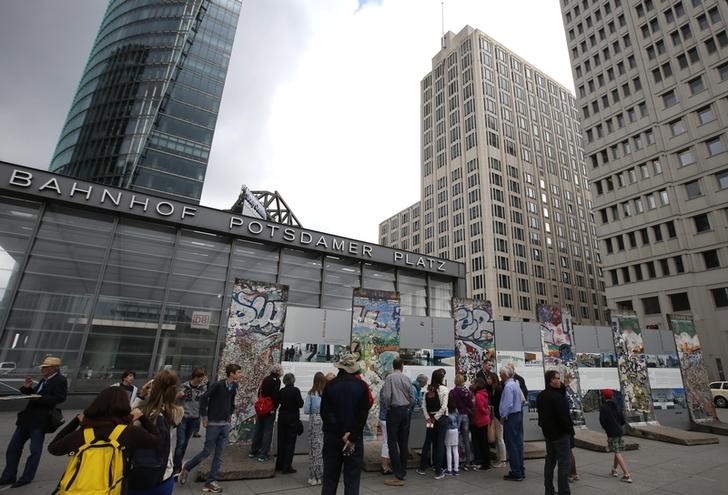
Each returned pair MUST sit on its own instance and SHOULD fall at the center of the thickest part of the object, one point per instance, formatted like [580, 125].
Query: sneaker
[394, 482]
[574, 478]
[501, 464]
[613, 472]
[421, 471]
[263, 458]
[440, 475]
[212, 487]
[252, 456]
[182, 477]
[474, 467]
[627, 478]
[512, 477]
[455, 473]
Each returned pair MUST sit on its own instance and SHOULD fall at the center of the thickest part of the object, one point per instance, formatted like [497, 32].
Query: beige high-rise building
[504, 185]
[651, 79]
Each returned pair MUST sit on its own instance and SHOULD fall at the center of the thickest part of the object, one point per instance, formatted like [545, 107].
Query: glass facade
[108, 292]
[145, 110]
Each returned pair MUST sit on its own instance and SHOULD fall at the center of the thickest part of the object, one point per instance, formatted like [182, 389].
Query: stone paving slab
[597, 441]
[671, 435]
[236, 465]
[373, 457]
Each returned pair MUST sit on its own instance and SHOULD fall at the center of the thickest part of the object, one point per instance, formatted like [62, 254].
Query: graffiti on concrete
[254, 340]
[474, 335]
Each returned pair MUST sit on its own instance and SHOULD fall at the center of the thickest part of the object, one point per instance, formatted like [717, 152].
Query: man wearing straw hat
[33, 422]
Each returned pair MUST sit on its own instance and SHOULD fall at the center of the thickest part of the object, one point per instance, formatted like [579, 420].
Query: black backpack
[432, 400]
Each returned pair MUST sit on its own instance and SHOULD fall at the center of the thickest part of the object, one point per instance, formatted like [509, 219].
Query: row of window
[710, 261]
[678, 301]
[634, 206]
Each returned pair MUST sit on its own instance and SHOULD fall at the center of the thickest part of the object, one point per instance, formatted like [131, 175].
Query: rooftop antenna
[442, 19]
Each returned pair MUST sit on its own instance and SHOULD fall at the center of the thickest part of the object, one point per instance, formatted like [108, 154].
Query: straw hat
[348, 363]
[50, 361]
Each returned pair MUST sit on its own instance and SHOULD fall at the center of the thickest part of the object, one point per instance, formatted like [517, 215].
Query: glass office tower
[145, 110]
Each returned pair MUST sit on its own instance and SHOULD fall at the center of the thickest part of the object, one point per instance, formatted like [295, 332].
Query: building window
[722, 178]
[696, 85]
[669, 99]
[705, 115]
[702, 223]
[720, 297]
[677, 127]
[715, 146]
[651, 305]
[711, 259]
[686, 157]
[680, 301]
[692, 189]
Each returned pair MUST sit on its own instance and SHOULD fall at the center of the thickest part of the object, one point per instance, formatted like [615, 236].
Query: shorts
[615, 444]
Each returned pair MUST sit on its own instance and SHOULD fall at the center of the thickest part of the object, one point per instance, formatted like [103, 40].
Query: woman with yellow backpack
[100, 441]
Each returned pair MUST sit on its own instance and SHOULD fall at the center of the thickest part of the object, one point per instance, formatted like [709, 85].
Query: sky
[321, 101]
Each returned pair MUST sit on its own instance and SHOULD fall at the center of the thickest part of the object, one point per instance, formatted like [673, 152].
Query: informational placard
[632, 367]
[474, 335]
[695, 376]
[254, 340]
[375, 336]
[557, 340]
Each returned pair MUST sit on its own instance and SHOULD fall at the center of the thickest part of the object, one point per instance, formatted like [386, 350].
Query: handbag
[55, 420]
[492, 433]
[299, 428]
[264, 405]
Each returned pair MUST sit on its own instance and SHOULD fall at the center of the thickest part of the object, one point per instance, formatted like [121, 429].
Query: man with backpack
[269, 397]
[35, 421]
[216, 408]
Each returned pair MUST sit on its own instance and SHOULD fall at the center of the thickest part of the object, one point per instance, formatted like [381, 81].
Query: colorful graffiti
[375, 336]
[632, 367]
[474, 335]
[557, 341]
[695, 376]
[254, 340]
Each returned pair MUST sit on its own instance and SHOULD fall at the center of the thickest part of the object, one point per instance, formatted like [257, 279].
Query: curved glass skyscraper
[145, 110]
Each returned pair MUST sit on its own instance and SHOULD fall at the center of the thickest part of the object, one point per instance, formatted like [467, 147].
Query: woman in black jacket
[612, 420]
[289, 423]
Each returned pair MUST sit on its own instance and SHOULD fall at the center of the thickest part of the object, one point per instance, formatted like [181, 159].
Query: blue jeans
[557, 452]
[263, 435]
[464, 428]
[15, 451]
[334, 461]
[185, 430]
[513, 437]
[216, 439]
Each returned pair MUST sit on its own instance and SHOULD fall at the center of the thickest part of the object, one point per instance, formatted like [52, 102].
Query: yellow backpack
[97, 468]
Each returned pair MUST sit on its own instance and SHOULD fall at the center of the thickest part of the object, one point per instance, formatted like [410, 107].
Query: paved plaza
[656, 468]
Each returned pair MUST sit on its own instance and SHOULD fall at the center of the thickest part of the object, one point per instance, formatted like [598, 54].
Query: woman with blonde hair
[151, 472]
[312, 407]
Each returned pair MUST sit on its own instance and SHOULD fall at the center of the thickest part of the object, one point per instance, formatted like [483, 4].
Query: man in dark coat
[555, 422]
[33, 422]
[344, 410]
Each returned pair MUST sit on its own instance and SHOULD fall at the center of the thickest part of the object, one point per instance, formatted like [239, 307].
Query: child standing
[451, 438]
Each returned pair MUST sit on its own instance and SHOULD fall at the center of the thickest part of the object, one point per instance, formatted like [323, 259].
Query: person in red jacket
[479, 424]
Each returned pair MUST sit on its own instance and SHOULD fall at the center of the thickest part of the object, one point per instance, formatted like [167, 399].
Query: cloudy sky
[321, 101]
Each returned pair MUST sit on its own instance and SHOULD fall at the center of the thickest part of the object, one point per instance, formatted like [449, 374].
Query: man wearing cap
[33, 421]
[344, 410]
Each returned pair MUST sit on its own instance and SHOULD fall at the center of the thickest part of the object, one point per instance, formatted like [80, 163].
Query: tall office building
[504, 185]
[652, 82]
[145, 110]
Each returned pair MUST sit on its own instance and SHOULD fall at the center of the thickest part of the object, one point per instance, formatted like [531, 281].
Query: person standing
[438, 389]
[216, 408]
[555, 422]
[344, 410]
[484, 371]
[417, 385]
[312, 407]
[612, 420]
[152, 468]
[191, 392]
[263, 436]
[452, 450]
[288, 424]
[397, 400]
[494, 397]
[463, 400]
[384, 451]
[127, 383]
[34, 422]
[511, 413]
[479, 426]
